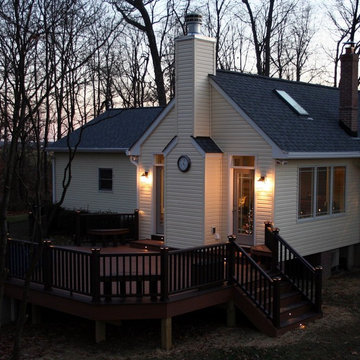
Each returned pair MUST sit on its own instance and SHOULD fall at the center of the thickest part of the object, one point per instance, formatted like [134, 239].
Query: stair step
[291, 297]
[296, 321]
[294, 310]
[293, 306]
[147, 244]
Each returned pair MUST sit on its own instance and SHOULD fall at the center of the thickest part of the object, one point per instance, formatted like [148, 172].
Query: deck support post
[100, 331]
[166, 333]
[14, 307]
[230, 314]
[35, 314]
[318, 288]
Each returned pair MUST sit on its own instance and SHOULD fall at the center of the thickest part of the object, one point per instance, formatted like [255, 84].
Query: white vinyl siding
[195, 60]
[235, 136]
[205, 52]
[84, 192]
[153, 145]
[213, 194]
[184, 62]
[321, 233]
[184, 207]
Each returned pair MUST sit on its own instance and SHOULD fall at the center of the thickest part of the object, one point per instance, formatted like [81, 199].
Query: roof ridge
[138, 108]
[275, 79]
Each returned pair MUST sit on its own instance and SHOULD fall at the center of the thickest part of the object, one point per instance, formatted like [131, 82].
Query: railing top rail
[105, 214]
[251, 260]
[145, 254]
[23, 241]
[220, 245]
[300, 258]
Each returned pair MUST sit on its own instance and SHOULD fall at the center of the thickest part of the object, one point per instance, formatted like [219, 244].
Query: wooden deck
[121, 283]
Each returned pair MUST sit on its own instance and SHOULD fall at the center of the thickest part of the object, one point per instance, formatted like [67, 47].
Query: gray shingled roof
[114, 130]
[207, 144]
[291, 132]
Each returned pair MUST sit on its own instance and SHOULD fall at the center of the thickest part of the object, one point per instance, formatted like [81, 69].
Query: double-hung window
[321, 191]
[105, 179]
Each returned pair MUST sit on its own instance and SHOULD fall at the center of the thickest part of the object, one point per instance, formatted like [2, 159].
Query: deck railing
[294, 267]
[109, 276]
[260, 288]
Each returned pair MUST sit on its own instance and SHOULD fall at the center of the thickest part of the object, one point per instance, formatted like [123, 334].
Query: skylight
[291, 102]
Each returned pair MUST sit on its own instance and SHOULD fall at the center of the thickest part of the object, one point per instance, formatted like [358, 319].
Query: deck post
[166, 333]
[274, 249]
[164, 273]
[276, 301]
[47, 264]
[318, 288]
[95, 274]
[100, 331]
[231, 259]
[230, 314]
[136, 225]
[35, 314]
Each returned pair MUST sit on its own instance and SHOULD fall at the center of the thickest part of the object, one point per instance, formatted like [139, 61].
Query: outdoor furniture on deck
[105, 234]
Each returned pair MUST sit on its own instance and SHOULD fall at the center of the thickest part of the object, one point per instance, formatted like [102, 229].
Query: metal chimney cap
[193, 22]
[193, 17]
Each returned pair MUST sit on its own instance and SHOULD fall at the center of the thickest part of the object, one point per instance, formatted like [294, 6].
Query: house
[230, 152]
[234, 150]
[103, 177]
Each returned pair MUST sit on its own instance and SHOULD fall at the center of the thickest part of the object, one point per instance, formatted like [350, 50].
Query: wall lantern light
[145, 178]
[263, 183]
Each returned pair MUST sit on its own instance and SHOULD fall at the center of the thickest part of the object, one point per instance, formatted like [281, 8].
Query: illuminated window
[306, 190]
[318, 188]
[105, 179]
[338, 193]
[244, 161]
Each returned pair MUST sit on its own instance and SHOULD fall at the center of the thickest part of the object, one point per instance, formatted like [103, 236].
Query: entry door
[160, 213]
[243, 209]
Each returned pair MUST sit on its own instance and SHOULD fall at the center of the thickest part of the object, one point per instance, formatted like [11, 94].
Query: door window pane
[306, 186]
[338, 200]
[244, 161]
[322, 191]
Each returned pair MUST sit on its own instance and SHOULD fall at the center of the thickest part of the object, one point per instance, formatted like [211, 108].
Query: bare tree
[345, 17]
[265, 21]
[142, 16]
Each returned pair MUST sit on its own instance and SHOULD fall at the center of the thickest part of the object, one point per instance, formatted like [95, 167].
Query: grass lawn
[202, 335]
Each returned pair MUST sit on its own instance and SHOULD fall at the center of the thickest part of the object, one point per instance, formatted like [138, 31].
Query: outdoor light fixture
[145, 177]
[263, 183]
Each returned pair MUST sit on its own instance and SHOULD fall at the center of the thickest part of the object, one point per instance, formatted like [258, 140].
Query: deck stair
[280, 290]
[147, 244]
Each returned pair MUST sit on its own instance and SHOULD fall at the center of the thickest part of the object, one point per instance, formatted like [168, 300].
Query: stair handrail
[310, 284]
[269, 302]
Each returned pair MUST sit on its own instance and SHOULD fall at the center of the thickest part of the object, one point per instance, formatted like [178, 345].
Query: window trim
[100, 178]
[330, 214]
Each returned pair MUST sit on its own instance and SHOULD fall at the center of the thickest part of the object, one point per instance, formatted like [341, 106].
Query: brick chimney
[348, 109]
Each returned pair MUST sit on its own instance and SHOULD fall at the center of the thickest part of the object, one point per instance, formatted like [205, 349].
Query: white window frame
[314, 194]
